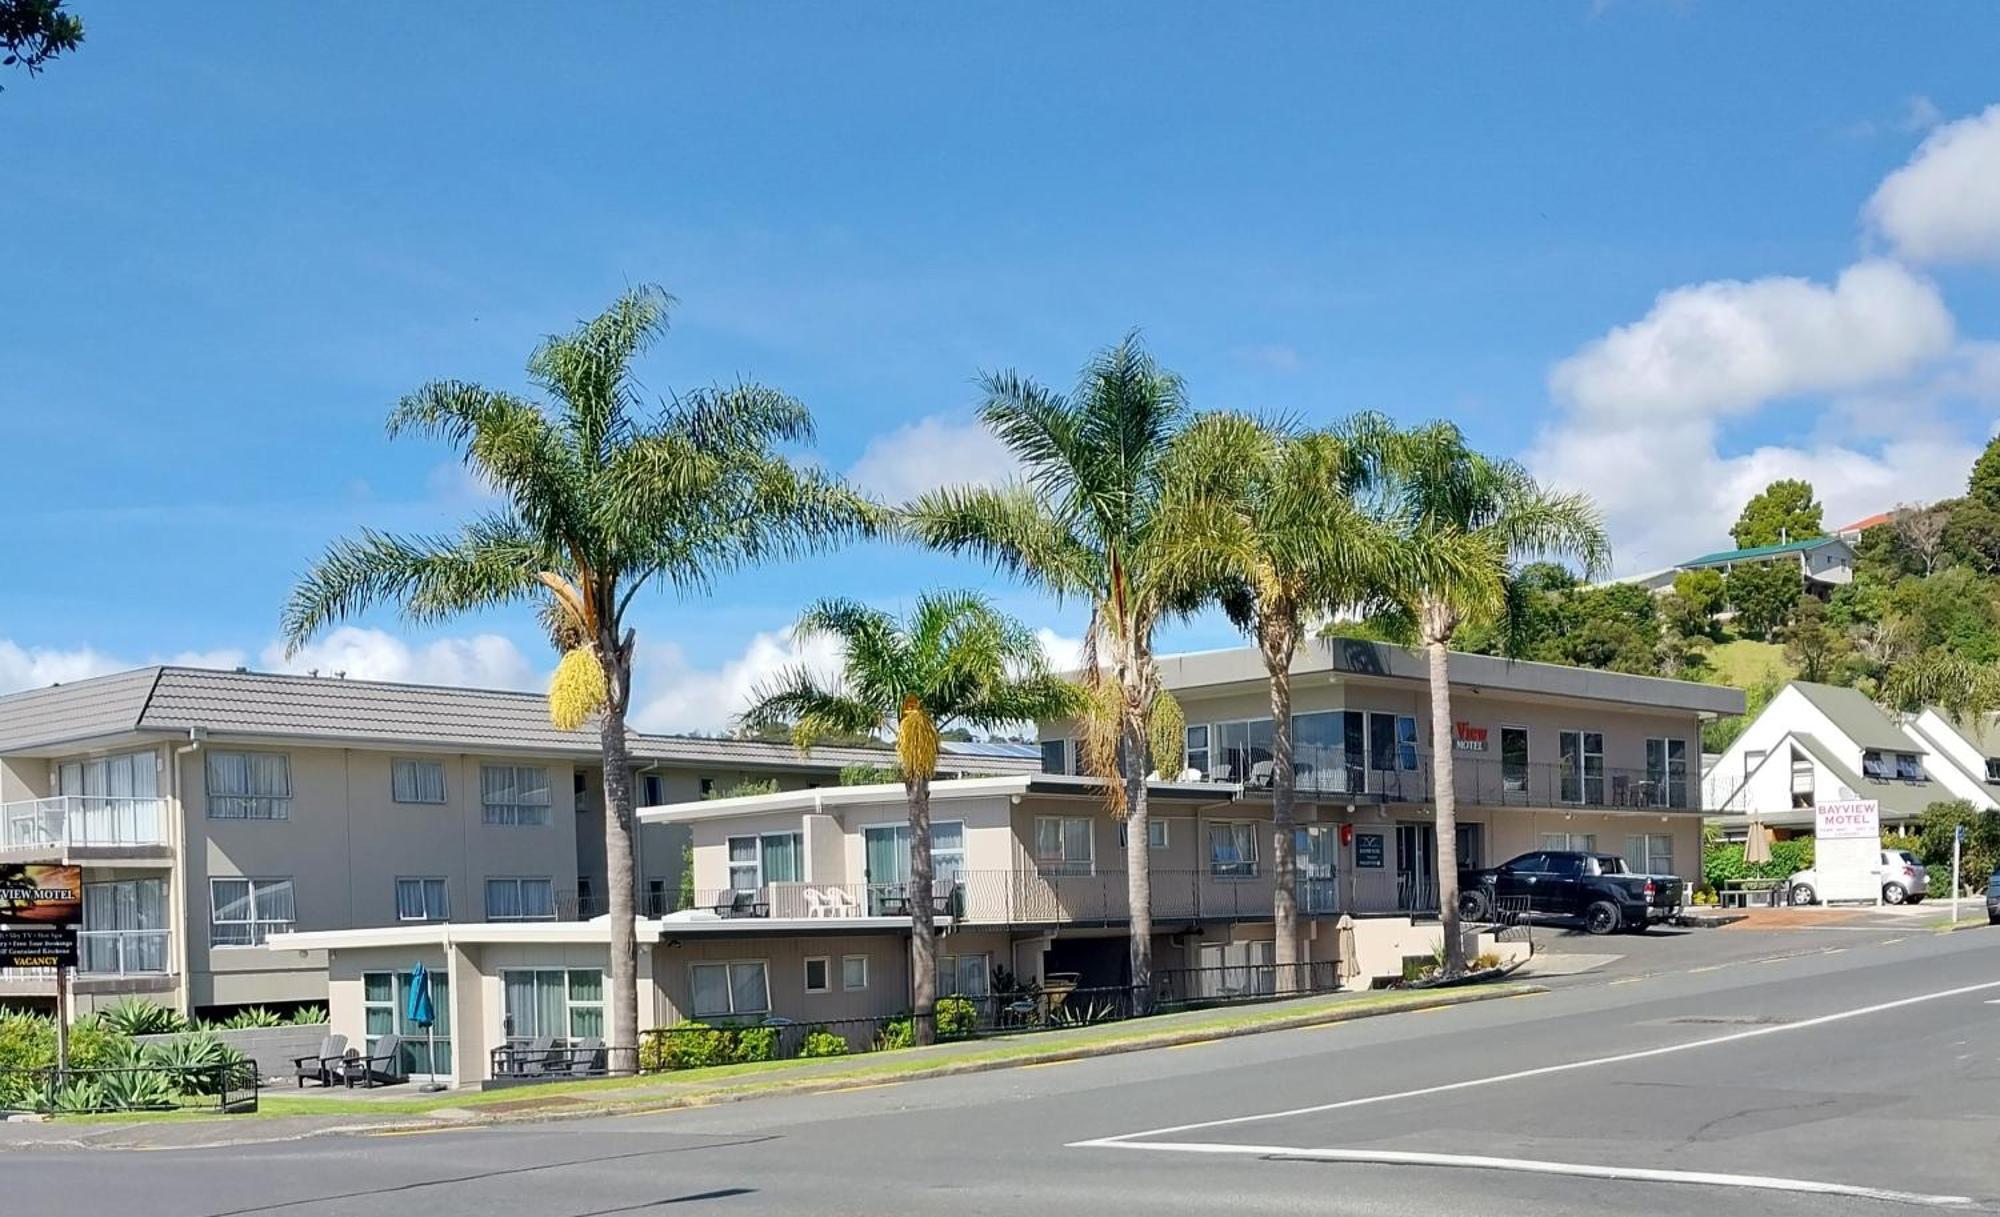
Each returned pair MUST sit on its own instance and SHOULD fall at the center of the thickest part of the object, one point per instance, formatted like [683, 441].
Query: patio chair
[532, 1061]
[321, 1065]
[583, 1057]
[385, 1064]
[1224, 772]
[839, 903]
[942, 891]
[815, 903]
[1263, 774]
[1190, 774]
[737, 904]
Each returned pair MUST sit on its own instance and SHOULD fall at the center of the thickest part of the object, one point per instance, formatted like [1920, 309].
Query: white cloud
[1728, 346]
[484, 661]
[932, 452]
[38, 667]
[673, 695]
[1064, 654]
[1944, 204]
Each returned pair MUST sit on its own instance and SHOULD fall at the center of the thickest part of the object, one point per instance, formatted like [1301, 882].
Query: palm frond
[1011, 528]
[493, 562]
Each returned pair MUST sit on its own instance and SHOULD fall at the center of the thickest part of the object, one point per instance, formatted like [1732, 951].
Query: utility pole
[1957, 840]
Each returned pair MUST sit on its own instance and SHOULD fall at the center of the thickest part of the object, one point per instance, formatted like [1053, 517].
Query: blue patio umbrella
[419, 1012]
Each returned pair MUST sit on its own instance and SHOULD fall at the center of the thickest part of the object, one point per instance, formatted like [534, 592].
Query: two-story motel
[800, 907]
[211, 810]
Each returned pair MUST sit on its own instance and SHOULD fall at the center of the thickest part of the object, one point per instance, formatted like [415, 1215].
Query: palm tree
[955, 662]
[1468, 518]
[1274, 521]
[598, 502]
[1083, 526]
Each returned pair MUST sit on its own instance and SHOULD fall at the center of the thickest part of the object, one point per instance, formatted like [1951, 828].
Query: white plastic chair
[1189, 774]
[840, 904]
[815, 903]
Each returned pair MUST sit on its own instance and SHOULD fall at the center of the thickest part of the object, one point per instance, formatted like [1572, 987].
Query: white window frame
[1250, 861]
[1993, 771]
[516, 812]
[1568, 843]
[764, 969]
[825, 984]
[756, 865]
[260, 927]
[424, 887]
[396, 763]
[1189, 751]
[1064, 864]
[1067, 750]
[520, 882]
[250, 806]
[850, 959]
[1646, 864]
[950, 968]
[570, 1005]
[1583, 775]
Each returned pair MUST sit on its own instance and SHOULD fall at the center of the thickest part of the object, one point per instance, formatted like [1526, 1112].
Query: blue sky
[1660, 252]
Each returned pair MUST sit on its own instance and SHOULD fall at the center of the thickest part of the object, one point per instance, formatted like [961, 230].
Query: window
[249, 786]
[1873, 766]
[117, 798]
[124, 927]
[1993, 770]
[1232, 850]
[652, 789]
[1650, 853]
[707, 787]
[819, 974]
[422, 899]
[1055, 756]
[741, 987]
[965, 975]
[1156, 834]
[1471, 843]
[243, 911]
[1197, 749]
[948, 849]
[520, 900]
[1514, 760]
[1666, 773]
[1062, 844]
[385, 1006]
[1582, 757]
[514, 794]
[1909, 767]
[1577, 842]
[773, 857]
[1239, 748]
[416, 781]
[556, 1002]
[853, 972]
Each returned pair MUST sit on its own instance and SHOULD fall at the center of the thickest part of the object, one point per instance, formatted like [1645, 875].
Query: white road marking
[1582, 1170]
[1545, 1070]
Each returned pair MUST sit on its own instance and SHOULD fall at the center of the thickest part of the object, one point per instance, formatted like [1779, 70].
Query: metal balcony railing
[1483, 781]
[83, 820]
[124, 952]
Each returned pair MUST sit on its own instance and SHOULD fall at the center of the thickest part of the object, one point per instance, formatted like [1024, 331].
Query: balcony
[85, 825]
[104, 953]
[1481, 781]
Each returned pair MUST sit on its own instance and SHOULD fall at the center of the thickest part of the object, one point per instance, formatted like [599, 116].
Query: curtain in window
[710, 989]
[586, 1003]
[781, 858]
[228, 776]
[274, 901]
[549, 1004]
[746, 988]
[409, 900]
[232, 899]
[503, 899]
[270, 775]
[417, 782]
[1076, 841]
[520, 1005]
[948, 848]
[743, 864]
[1048, 840]
[974, 978]
[538, 899]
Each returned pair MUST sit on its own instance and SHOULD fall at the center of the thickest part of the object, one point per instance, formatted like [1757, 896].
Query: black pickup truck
[1595, 888]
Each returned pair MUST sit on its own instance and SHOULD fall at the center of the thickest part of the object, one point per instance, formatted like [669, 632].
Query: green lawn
[1744, 662]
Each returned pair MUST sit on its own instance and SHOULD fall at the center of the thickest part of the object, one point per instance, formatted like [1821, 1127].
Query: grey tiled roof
[169, 699]
[1860, 720]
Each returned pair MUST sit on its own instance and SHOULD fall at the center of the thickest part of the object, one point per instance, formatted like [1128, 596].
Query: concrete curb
[470, 1117]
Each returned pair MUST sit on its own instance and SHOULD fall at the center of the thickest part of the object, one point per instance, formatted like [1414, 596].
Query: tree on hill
[1764, 595]
[1783, 511]
[1983, 486]
[1812, 646]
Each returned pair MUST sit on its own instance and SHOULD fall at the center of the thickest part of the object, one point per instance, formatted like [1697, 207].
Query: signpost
[1957, 842]
[39, 909]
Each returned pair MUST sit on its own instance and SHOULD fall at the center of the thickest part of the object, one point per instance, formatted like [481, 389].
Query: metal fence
[226, 1087]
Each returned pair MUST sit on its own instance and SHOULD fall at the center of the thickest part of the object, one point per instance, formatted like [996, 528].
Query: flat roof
[823, 798]
[1361, 657]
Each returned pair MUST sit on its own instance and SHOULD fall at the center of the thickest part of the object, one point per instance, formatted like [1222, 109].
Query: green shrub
[307, 1016]
[136, 1090]
[1721, 864]
[755, 1044]
[868, 775]
[957, 1018]
[27, 1041]
[138, 1016]
[823, 1043]
[252, 1017]
[689, 1046]
[896, 1033]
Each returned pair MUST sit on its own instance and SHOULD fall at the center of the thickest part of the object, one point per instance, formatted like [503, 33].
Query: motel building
[799, 909]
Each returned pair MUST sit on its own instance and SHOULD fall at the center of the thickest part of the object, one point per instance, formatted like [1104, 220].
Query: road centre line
[1545, 1070]
[1584, 1170]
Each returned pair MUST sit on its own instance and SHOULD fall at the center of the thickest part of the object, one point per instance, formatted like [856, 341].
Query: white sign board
[1847, 856]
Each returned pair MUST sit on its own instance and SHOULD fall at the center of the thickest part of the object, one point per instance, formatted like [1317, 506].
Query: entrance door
[1416, 866]
[1317, 892]
[887, 851]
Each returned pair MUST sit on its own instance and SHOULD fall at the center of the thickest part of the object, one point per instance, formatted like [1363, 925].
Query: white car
[1904, 880]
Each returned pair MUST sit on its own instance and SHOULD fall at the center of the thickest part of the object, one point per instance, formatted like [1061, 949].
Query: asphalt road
[1861, 1061]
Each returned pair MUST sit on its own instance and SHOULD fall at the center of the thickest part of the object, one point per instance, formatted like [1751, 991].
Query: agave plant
[307, 1016]
[138, 1016]
[253, 1016]
[136, 1089]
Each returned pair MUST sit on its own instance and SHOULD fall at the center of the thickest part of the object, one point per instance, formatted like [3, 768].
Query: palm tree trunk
[923, 927]
[1437, 632]
[1277, 646]
[623, 1052]
[1138, 865]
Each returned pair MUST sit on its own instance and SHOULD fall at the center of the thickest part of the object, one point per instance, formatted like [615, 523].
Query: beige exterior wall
[887, 991]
